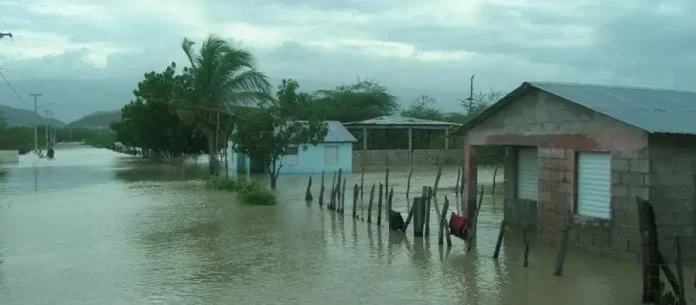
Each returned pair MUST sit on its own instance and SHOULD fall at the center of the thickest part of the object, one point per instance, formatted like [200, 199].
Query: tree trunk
[274, 178]
[212, 154]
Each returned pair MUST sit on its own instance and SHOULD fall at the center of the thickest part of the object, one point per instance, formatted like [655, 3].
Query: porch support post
[470, 182]
[364, 146]
[410, 147]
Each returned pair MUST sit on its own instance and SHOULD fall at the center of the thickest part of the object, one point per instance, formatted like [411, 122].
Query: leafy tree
[219, 78]
[151, 122]
[423, 107]
[481, 101]
[266, 133]
[363, 100]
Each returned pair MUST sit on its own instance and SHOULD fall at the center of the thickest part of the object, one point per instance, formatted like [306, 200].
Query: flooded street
[99, 227]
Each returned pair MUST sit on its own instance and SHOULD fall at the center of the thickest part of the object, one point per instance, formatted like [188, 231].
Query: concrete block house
[591, 150]
[334, 153]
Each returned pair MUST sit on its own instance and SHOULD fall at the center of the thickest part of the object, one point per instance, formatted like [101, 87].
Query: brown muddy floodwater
[98, 227]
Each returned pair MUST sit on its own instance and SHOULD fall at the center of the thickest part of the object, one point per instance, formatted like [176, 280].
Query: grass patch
[250, 191]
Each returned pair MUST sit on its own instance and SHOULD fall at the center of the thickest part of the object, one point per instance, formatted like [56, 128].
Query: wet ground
[98, 227]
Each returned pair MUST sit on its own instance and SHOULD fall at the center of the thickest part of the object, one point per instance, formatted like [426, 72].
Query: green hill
[24, 117]
[97, 120]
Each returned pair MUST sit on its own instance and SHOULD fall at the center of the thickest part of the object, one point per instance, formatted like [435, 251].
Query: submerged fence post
[410, 215]
[526, 247]
[386, 180]
[379, 204]
[437, 178]
[443, 224]
[321, 190]
[308, 194]
[428, 199]
[355, 200]
[369, 207]
[418, 216]
[343, 196]
[471, 241]
[499, 242]
[408, 186]
[563, 246]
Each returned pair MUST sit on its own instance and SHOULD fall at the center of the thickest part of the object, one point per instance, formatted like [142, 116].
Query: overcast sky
[435, 44]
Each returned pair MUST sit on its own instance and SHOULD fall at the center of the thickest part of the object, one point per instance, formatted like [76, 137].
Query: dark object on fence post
[471, 240]
[321, 190]
[418, 216]
[563, 246]
[396, 222]
[379, 204]
[526, 247]
[369, 207]
[680, 270]
[499, 242]
[308, 194]
[651, 264]
[408, 186]
[343, 196]
[443, 223]
[437, 178]
[355, 201]
[428, 200]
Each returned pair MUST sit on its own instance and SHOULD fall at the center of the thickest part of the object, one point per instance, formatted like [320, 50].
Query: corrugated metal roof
[393, 120]
[338, 133]
[653, 110]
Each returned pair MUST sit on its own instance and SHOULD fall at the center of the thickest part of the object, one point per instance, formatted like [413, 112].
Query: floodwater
[98, 227]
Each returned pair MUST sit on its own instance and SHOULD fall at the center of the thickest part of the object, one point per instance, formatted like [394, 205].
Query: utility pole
[36, 112]
[471, 94]
[48, 127]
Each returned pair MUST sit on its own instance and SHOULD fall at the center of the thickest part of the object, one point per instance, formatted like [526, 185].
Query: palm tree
[220, 77]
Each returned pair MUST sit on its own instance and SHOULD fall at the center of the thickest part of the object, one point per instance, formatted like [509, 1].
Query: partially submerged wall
[399, 157]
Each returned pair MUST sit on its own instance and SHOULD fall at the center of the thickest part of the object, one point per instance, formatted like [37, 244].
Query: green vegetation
[249, 191]
[267, 132]
[222, 96]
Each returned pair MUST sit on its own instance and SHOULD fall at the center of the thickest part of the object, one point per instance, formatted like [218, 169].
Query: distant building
[400, 140]
[587, 151]
[334, 153]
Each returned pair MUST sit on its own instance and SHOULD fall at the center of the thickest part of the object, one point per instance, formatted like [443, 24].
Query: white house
[334, 153]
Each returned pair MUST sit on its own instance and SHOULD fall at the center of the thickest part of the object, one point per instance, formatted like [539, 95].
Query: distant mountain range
[25, 117]
[97, 120]
[72, 99]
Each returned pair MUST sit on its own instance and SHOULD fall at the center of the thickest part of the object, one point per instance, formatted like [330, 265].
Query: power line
[11, 87]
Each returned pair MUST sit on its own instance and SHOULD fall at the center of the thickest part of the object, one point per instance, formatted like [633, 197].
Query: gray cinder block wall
[400, 157]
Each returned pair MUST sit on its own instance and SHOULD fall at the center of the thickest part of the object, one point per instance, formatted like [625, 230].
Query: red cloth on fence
[458, 225]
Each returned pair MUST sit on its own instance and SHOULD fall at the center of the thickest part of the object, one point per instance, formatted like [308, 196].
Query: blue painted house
[336, 152]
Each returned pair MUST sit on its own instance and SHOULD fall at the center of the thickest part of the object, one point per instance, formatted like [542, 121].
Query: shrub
[222, 183]
[249, 191]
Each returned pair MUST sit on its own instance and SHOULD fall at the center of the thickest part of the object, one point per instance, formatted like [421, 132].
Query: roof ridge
[534, 83]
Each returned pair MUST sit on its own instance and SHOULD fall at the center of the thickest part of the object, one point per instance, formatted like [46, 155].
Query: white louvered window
[527, 174]
[594, 185]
